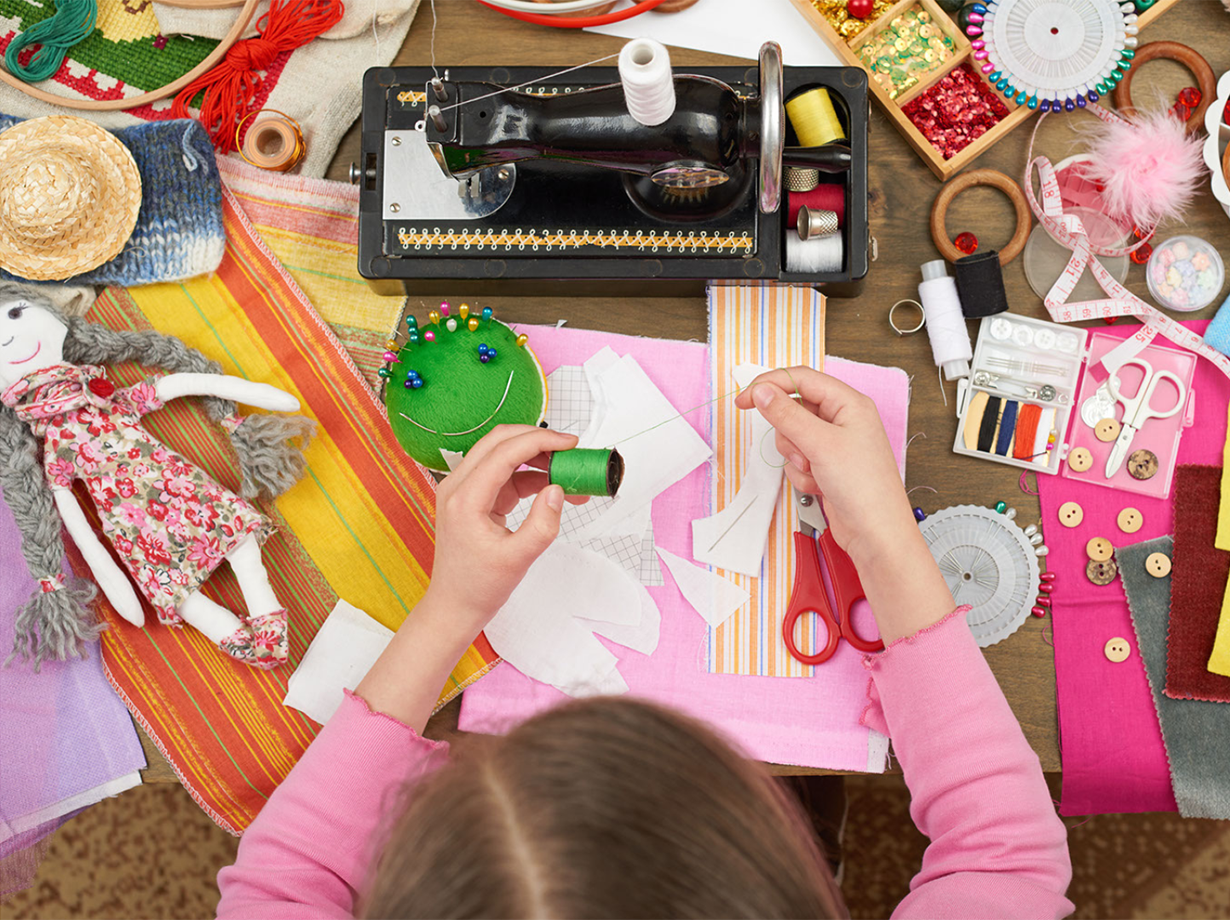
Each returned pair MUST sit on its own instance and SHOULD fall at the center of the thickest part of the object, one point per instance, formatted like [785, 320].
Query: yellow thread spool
[274, 142]
[814, 118]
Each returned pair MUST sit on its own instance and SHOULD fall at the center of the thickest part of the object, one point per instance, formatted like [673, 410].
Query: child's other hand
[835, 445]
[479, 561]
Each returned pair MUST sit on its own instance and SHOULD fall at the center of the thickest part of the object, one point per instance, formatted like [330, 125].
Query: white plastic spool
[649, 82]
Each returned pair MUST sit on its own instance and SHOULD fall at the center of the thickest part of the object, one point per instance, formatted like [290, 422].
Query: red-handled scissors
[808, 594]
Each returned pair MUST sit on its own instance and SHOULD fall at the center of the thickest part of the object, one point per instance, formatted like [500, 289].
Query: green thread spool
[587, 472]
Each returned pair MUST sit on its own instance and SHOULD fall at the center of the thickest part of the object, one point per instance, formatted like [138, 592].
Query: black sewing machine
[509, 182]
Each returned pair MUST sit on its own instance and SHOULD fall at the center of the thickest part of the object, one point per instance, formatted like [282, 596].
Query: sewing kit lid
[69, 197]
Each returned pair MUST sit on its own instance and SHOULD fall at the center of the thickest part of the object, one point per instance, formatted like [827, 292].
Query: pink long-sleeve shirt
[997, 847]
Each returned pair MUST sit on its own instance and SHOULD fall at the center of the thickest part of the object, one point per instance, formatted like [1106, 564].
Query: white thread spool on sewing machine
[649, 82]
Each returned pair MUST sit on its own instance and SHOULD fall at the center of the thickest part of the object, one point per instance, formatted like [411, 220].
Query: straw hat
[69, 197]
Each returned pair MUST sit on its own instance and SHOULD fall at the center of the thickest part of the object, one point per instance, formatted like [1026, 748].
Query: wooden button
[1117, 650]
[1080, 460]
[1099, 549]
[1131, 520]
[1158, 565]
[1107, 430]
[1142, 464]
[1071, 514]
[1101, 573]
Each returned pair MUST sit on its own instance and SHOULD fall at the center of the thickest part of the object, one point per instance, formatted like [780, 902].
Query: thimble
[816, 223]
[800, 179]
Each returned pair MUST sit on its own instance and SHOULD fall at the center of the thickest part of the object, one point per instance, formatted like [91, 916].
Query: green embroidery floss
[587, 472]
[73, 22]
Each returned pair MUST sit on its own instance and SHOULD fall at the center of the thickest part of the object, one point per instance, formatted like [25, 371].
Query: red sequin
[1141, 255]
[955, 111]
[101, 387]
[966, 242]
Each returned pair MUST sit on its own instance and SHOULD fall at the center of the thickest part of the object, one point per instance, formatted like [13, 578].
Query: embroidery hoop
[113, 105]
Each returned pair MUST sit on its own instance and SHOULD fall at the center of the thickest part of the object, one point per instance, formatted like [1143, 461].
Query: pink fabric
[997, 850]
[807, 721]
[1113, 756]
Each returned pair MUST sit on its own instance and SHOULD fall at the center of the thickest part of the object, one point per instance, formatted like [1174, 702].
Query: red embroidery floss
[231, 88]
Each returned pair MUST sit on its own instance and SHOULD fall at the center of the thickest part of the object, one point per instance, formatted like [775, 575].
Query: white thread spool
[950, 342]
[819, 255]
[649, 82]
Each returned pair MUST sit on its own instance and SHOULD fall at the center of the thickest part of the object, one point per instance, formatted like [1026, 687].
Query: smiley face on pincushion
[455, 378]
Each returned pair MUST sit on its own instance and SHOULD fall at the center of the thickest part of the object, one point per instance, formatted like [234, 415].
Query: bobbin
[991, 178]
[1182, 54]
[922, 317]
[288, 150]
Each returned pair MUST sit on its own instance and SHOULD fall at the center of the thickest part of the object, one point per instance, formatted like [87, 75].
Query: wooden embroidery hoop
[112, 105]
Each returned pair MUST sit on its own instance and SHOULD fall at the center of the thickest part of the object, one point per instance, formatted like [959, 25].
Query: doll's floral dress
[171, 524]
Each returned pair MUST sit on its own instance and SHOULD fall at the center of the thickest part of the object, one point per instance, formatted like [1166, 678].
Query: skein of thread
[950, 342]
[274, 142]
[1218, 333]
[649, 82]
[584, 471]
[814, 118]
[819, 255]
[980, 285]
[824, 197]
[72, 22]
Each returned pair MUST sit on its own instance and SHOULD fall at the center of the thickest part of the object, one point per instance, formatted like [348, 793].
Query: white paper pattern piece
[341, 654]
[715, 598]
[735, 27]
[735, 538]
[658, 445]
[641, 637]
[545, 629]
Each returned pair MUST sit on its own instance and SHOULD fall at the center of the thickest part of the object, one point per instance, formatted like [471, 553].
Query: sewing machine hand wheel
[772, 126]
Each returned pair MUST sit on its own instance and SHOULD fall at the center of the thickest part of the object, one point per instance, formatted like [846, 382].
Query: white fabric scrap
[341, 654]
[546, 629]
[658, 445]
[641, 637]
[735, 539]
[715, 598]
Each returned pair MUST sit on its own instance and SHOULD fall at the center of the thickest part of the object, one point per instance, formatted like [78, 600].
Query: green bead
[1001, 507]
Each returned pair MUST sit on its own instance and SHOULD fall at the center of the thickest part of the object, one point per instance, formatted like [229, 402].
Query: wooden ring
[1171, 51]
[1225, 164]
[955, 186]
[113, 105]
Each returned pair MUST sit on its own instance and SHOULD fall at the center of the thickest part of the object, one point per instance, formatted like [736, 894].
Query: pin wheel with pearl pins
[453, 379]
[1053, 56]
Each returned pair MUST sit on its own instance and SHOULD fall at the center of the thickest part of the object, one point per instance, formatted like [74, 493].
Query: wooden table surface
[901, 190]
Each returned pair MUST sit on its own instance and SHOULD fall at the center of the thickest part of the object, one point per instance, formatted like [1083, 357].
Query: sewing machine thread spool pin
[437, 118]
[437, 87]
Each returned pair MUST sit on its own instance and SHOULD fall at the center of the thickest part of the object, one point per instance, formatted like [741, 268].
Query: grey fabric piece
[1197, 734]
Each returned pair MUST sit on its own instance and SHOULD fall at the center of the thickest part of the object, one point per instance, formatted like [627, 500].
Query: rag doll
[168, 521]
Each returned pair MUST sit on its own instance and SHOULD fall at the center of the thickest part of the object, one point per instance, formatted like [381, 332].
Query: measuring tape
[1069, 231]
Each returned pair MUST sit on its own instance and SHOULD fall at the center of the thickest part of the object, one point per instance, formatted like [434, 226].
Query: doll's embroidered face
[31, 339]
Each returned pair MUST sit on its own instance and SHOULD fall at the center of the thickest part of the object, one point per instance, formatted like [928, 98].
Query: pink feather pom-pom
[1149, 169]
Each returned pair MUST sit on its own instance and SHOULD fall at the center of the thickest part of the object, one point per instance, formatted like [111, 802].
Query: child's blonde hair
[602, 808]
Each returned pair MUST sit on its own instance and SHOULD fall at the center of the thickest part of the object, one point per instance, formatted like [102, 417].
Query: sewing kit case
[1056, 367]
[577, 223]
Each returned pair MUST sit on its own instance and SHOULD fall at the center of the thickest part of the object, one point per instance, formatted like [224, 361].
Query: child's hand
[836, 446]
[478, 560]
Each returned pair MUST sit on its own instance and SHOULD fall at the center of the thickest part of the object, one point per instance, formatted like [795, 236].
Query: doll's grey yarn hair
[55, 625]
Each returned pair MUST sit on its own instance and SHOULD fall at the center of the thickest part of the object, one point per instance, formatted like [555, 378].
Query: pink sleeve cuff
[873, 714]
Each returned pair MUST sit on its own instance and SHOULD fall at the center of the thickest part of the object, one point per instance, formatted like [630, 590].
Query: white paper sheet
[658, 445]
[735, 538]
[546, 629]
[715, 598]
[343, 651]
[735, 27]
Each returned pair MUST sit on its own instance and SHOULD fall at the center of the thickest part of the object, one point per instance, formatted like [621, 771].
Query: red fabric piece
[1197, 583]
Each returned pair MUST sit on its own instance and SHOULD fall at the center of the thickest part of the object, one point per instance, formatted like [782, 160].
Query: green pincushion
[461, 397]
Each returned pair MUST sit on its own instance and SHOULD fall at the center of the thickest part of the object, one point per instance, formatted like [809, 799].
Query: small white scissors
[1138, 408]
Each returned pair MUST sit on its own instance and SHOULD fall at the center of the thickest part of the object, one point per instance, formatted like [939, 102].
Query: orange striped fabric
[773, 326]
[358, 526]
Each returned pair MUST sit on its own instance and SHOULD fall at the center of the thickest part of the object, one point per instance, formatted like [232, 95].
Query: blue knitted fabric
[1218, 333]
[179, 232]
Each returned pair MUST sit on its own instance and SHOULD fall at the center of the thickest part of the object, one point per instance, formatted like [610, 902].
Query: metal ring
[922, 317]
[772, 126]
